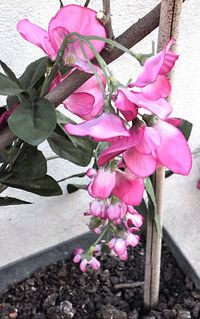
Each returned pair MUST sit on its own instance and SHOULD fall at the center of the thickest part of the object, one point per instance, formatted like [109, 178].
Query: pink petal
[120, 246]
[82, 20]
[175, 121]
[159, 107]
[169, 59]
[83, 265]
[125, 104]
[132, 239]
[36, 35]
[80, 104]
[94, 263]
[113, 212]
[95, 208]
[119, 146]
[161, 88]
[103, 184]
[128, 188]
[161, 64]
[136, 219]
[91, 172]
[174, 152]
[142, 165]
[87, 101]
[149, 142]
[124, 256]
[103, 128]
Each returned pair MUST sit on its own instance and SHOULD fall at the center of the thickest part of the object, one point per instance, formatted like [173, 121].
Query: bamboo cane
[169, 26]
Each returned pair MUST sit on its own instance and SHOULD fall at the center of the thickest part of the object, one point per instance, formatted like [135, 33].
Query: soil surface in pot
[62, 291]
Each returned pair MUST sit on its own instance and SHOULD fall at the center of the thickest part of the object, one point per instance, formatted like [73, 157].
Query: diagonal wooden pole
[169, 26]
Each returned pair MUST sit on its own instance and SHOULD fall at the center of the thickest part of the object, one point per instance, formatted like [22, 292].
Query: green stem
[106, 229]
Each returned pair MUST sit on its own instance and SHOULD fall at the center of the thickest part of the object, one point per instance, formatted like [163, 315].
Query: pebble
[183, 314]
[196, 311]
[108, 312]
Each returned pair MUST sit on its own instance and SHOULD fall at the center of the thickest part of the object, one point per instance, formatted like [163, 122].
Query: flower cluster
[131, 121]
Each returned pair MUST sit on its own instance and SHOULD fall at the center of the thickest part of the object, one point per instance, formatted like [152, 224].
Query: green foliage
[72, 188]
[45, 186]
[8, 86]
[33, 73]
[152, 209]
[7, 201]
[9, 72]
[78, 150]
[33, 121]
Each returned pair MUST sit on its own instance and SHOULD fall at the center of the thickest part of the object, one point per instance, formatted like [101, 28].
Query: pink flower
[98, 209]
[103, 128]
[134, 219]
[128, 102]
[84, 262]
[71, 18]
[77, 255]
[156, 66]
[87, 101]
[119, 248]
[150, 89]
[148, 147]
[122, 184]
[93, 263]
[116, 212]
[198, 184]
[103, 184]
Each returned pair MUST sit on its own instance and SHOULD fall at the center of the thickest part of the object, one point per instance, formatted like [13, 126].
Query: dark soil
[61, 291]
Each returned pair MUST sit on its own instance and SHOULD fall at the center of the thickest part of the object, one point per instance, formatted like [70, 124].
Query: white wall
[17, 53]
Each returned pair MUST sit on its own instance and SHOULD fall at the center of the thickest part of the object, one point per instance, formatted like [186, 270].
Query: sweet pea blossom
[123, 184]
[158, 65]
[87, 101]
[70, 18]
[150, 89]
[84, 261]
[106, 127]
[149, 147]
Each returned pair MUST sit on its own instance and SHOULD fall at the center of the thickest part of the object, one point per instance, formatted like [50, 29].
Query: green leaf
[79, 152]
[185, 128]
[6, 201]
[33, 121]
[8, 86]
[12, 100]
[151, 196]
[72, 188]
[30, 164]
[72, 176]
[45, 186]
[9, 72]
[33, 73]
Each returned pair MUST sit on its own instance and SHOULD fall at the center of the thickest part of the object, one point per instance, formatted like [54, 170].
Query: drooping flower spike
[70, 18]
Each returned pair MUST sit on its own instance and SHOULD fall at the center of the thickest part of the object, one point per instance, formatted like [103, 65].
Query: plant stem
[106, 229]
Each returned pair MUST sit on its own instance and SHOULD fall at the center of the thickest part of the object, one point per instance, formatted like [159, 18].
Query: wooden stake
[169, 25]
